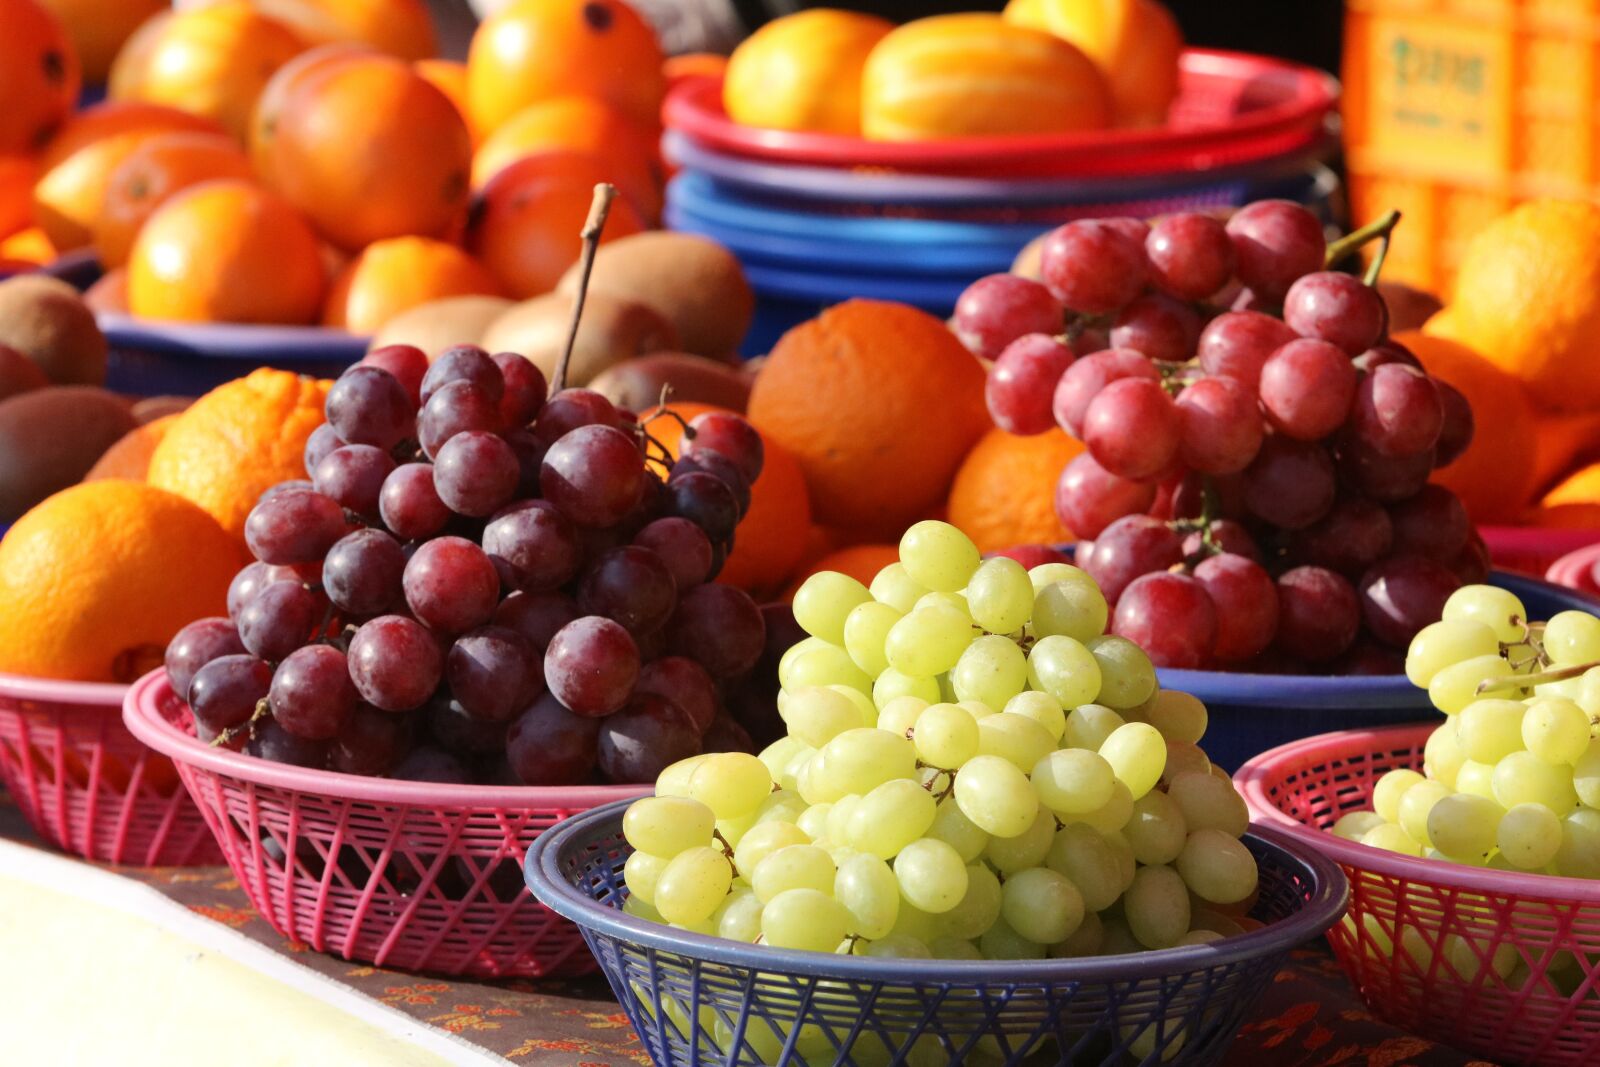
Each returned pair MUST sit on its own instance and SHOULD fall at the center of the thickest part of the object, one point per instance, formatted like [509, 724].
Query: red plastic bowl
[87, 785]
[1576, 570]
[412, 875]
[1534, 549]
[1420, 937]
[1231, 108]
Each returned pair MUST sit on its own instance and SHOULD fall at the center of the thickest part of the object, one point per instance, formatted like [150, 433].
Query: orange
[300, 71]
[129, 458]
[803, 71]
[30, 247]
[1494, 477]
[95, 580]
[99, 28]
[633, 180]
[239, 440]
[861, 562]
[532, 50]
[1527, 297]
[17, 174]
[369, 149]
[401, 28]
[1575, 503]
[880, 404]
[1563, 443]
[1135, 43]
[148, 176]
[214, 60]
[1004, 493]
[693, 65]
[574, 123]
[39, 75]
[977, 75]
[450, 78]
[388, 277]
[133, 59]
[525, 227]
[226, 251]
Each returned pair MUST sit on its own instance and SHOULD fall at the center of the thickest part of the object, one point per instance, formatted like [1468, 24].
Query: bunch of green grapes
[1511, 780]
[972, 770]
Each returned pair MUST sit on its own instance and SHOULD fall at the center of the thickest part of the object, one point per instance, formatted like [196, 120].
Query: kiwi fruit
[613, 330]
[46, 320]
[18, 373]
[438, 324]
[637, 383]
[51, 437]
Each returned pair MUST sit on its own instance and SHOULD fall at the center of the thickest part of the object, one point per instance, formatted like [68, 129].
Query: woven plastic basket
[1504, 964]
[402, 874]
[701, 1000]
[87, 785]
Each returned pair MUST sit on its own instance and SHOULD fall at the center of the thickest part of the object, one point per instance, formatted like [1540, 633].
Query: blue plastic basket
[703, 1000]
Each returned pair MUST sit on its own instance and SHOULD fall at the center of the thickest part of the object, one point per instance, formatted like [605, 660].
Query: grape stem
[1379, 228]
[1522, 681]
[604, 193]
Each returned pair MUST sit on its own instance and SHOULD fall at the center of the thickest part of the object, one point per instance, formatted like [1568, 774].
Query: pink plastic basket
[1533, 549]
[87, 785]
[1576, 570]
[402, 874]
[1422, 936]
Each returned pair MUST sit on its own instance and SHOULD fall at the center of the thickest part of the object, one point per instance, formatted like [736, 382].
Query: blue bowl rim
[1329, 897]
[228, 340]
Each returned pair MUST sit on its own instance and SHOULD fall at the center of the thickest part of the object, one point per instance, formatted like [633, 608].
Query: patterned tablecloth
[1309, 1017]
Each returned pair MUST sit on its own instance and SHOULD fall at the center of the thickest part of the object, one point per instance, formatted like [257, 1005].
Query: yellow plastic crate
[1455, 110]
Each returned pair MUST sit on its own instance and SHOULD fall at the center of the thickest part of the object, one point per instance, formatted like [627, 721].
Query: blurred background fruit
[39, 75]
[861, 562]
[1134, 43]
[46, 320]
[613, 330]
[51, 437]
[129, 457]
[640, 382]
[803, 71]
[438, 324]
[525, 228]
[450, 78]
[401, 28]
[395, 275]
[128, 68]
[99, 28]
[157, 167]
[588, 125]
[1004, 491]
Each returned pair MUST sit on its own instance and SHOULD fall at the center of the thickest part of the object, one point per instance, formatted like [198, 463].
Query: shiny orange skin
[39, 75]
[301, 71]
[133, 59]
[402, 28]
[1135, 43]
[99, 29]
[532, 50]
[693, 65]
[639, 187]
[367, 148]
[585, 124]
[525, 228]
[450, 78]
[394, 275]
[158, 167]
[17, 175]
[226, 251]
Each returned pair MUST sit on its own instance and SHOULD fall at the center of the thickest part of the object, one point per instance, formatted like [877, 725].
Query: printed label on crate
[1435, 91]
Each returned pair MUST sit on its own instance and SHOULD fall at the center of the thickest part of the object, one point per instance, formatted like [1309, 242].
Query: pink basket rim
[1559, 539]
[1573, 569]
[1258, 774]
[57, 691]
[141, 711]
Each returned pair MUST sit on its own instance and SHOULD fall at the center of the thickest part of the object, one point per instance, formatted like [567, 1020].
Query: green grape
[804, 919]
[777, 756]
[1027, 849]
[1471, 957]
[890, 817]
[938, 555]
[823, 602]
[1065, 669]
[1218, 868]
[928, 641]
[839, 816]
[1579, 854]
[1084, 856]
[1072, 608]
[781, 805]
[795, 651]
[1588, 694]
[861, 759]
[1529, 836]
[817, 715]
[901, 714]
[992, 670]
[1445, 643]
[946, 735]
[1390, 788]
[1116, 813]
[950, 601]
[1127, 677]
[1001, 942]
[667, 826]
[1498, 609]
[731, 784]
[1046, 573]
[895, 947]
[895, 587]
[791, 867]
[1156, 829]
[1391, 838]
[1086, 940]
[1476, 778]
[1556, 730]
[1088, 726]
[1566, 689]
[951, 825]
[673, 781]
[1415, 807]
[946, 947]
[1042, 905]
[692, 885]
[1138, 754]
[1199, 937]
[641, 909]
[1156, 907]
[1042, 708]
[1000, 595]
[813, 822]
[1073, 781]
[1586, 775]
[824, 665]
[1454, 687]
[641, 873]
[1117, 940]
[1184, 758]
[979, 906]
[1462, 826]
[1209, 802]
[1159, 1042]
[1442, 755]
[866, 886]
[866, 630]
[739, 917]
[1491, 728]
[931, 875]
[1203, 918]
[914, 922]
[762, 841]
[1353, 825]
[733, 830]
[996, 796]
[1016, 738]
[976, 708]
[1179, 716]
[1523, 778]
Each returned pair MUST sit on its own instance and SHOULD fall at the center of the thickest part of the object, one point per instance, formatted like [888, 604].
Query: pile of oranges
[307, 161]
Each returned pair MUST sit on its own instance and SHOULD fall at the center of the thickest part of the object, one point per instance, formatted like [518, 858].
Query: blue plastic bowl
[695, 999]
[1250, 713]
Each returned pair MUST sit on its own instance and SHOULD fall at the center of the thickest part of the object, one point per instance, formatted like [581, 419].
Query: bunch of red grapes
[482, 584]
[1254, 491]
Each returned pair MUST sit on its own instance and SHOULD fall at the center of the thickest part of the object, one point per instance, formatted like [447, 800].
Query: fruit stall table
[1308, 1018]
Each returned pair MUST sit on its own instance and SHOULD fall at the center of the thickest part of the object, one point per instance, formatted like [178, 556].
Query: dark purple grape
[323, 439]
[1472, 566]
[1171, 617]
[1158, 326]
[1275, 242]
[463, 363]
[706, 501]
[297, 526]
[1236, 345]
[494, 672]
[525, 388]
[1318, 614]
[279, 619]
[395, 663]
[1337, 308]
[353, 477]
[409, 503]
[1367, 658]
[570, 409]
[1386, 479]
[1132, 546]
[196, 645]
[457, 407]
[1290, 484]
[682, 546]
[1458, 427]
[720, 628]
[685, 684]
[251, 579]
[371, 742]
[1387, 350]
[270, 741]
[591, 665]
[549, 745]
[726, 735]
[1351, 537]
[475, 473]
[1403, 594]
[630, 585]
[450, 585]
[595, 475]
[1246, 605]
[224, 693]
[311, 694]
[532, 546]
[529, 451]
[1090, 498]
[1397, 411]
[369, 406]
[720, 467]
[536, 616]
[362, 573]
[407, 363]
[644, 739]
[727, 435]
[424, 764]
[461, 734]
[1232, 538]
[291, 486]
[1190, 255]
[1433, 524]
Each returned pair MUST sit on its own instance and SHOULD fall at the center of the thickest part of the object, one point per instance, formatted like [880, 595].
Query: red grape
[457, 407]
[532, 545]
[1458, 427]
[279, 619]
[1089, 498]
[720, 628]
[1337, 308]
[463, 363]
[591, 665]
[1190, 255]
[1091, 339]
[1093, 266]
[1158, 326]
[1219, 426]
[719, 467]
[726, 735]
[536, 616]
[1130, 547]
[295, 526]
[1031, 556]
[1232, 538]
[1318, 614]
[996, 310]
[570, 409]
[525, 388]
[1236, 344]
[595, 475]
[1132, 428]
[1471, 567]
[224, 693]
[630, 585]
[269, 741]
[1171, 617]
[323, 439]
[1403, 594]
[1433, 524]
[406, 363]
[1022, 383]
[1351, 537]
[425, 764]
[684, 683]
[1275, 242]
[451, 585]
[1307, 388]
[196, 645]
[353, 476]
[530, 452]
[1367, 658]
[311, 694]
[644, 739]
[1290, 483]
[706, 501]
[475, 473]
[1386, 351]
[362, 573]
[1246, 604]
[1189, 495]
[494, 672]
[371, 742]
[1083, 380]
[549, 745]
[409, 503]
[1397, 411]
[1386, 479]
[368, 406]
[682, 546]
[460, 733]
[395, 663]
[727, 435]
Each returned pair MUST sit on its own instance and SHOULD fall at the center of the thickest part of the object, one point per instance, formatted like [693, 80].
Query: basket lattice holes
[1517, 974]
